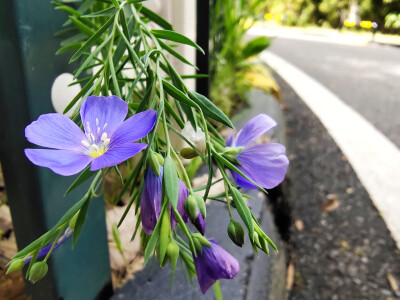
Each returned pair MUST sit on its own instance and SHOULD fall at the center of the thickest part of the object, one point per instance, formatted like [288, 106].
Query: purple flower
[43, 252]
[107, 140]
[214, 263]
[265, 164]
[150, 202]
[200, 223]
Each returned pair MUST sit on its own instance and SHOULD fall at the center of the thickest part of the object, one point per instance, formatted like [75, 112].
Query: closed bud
[264, 245]
[191, 207]
[188, 153]
[256, 240]
[159, 158]
[236, 233]
[197, 245]
[233, 150]
[38, 271]
[201, 205]
[73, 220]
[232, 159]
[17, 264]
[173, 254]
[154, 163]
[201, 239]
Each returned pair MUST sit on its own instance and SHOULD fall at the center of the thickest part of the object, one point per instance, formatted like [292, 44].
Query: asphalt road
[366, 77]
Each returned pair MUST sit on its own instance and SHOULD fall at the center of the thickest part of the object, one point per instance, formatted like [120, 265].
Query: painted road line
[375, 159]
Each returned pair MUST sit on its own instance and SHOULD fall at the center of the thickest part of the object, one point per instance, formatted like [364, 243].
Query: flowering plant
[115, 37]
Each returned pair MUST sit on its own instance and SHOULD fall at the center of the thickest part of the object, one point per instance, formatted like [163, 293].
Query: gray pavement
[365, 77]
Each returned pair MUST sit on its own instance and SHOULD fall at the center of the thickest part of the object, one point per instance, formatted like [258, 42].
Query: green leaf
[255, 46]
[91, 40]
[174, 115]
[117, 240]
[85, 175]
[170, 179]
[154, 238]
[101, 13]
[90, 57]
[79, 222]
[82, 91]
[116, 4]
[155, 18]
[175, 37]
[174, 53]
[243, 209]
[177, 94]
[71, 47]
[82, 26]
[73, 39]
[69, 10]
[209, 109]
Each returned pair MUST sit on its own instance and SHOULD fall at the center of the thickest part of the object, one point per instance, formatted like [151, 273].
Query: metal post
[27, 70]
[203, 36]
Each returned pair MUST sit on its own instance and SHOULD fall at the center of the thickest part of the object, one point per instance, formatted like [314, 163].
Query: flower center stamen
[96, 148]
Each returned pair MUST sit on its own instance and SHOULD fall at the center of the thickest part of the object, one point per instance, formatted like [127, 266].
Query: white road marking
[375, 159]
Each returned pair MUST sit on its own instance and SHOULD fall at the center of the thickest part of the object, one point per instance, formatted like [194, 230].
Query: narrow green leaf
[177, 94]
[209, 109]
[155, 18]
[79, 222]
[117, 239]
[101, 13]
[82, 26]
[174, 53]
[154, 238]
[69, 10]
[85, 175]
[71, 47]
[255, 46]
[170, 179]
[116, 4]
[90, 57]
[174, 115]
[243, 209]
[82, 91]
[175, 37]
[91, 40]
[73, 39]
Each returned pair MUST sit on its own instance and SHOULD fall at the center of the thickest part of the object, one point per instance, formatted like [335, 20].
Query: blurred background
[331, 68]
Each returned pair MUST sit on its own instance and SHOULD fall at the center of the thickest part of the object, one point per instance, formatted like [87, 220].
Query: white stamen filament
[96, 148]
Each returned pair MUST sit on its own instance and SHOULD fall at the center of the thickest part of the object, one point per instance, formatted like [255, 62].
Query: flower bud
[38, 271]
[233, 150]
[236, 233]
[201, 239]
[73, 220]
[264, 245]
[197, 245]
[232, 159]
[188, 153]
[159, 158]
[256, 240]
[17, 264]
[173, 254]
[200, 204]
[191, 207]
[197, 138]
[154, 163]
